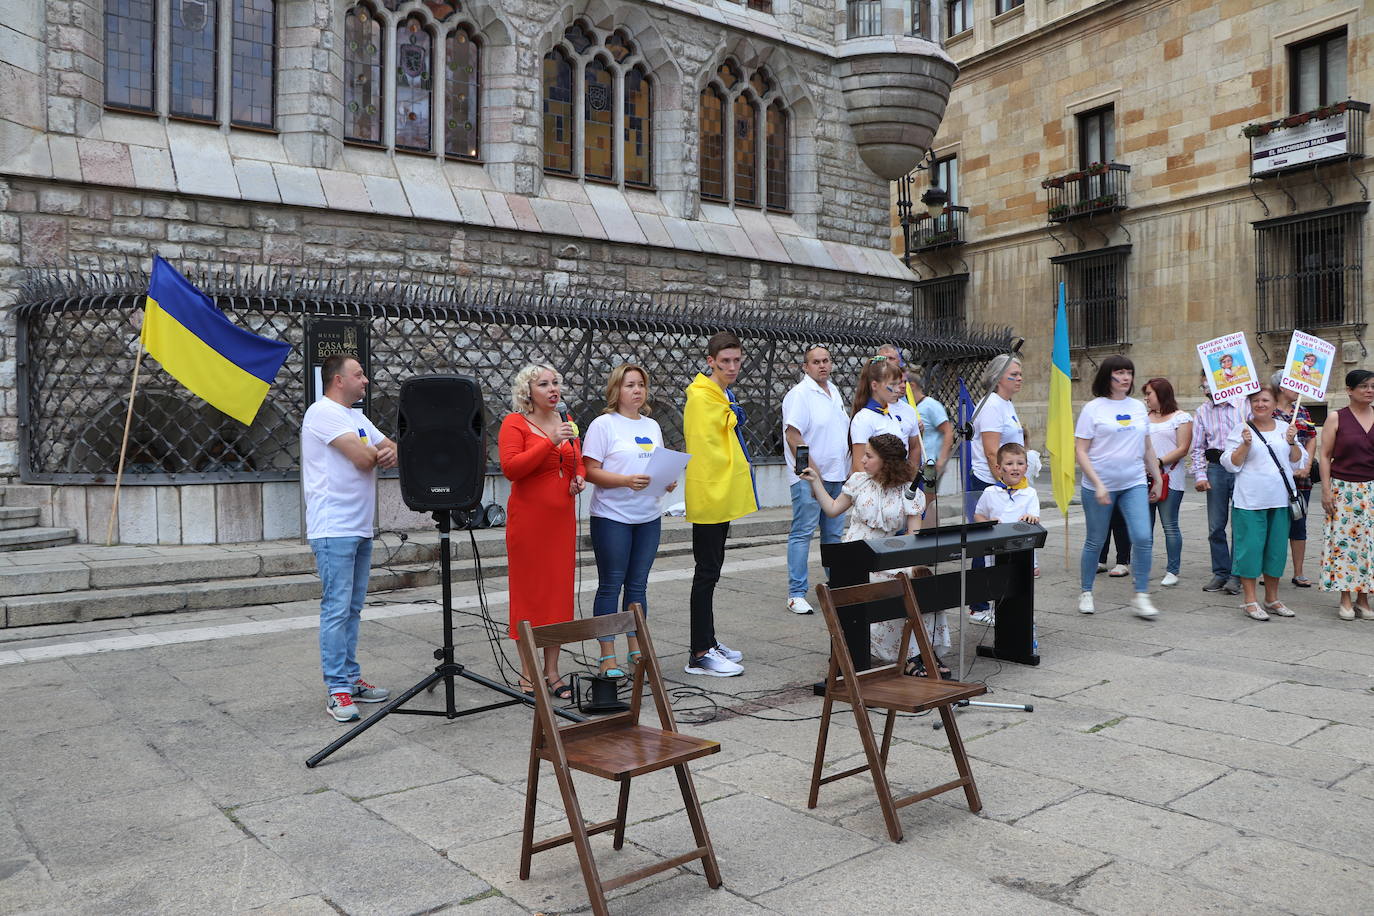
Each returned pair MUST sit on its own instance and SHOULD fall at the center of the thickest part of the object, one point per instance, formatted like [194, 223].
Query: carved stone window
[755, 145]
[206, 77]
[412, 82]
[597, 88]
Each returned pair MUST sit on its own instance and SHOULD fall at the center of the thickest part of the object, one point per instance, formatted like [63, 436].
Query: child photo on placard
[1307, 366]
[1229, 368]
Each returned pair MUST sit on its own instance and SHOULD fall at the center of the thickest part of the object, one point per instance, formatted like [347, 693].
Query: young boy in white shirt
[1011, 499]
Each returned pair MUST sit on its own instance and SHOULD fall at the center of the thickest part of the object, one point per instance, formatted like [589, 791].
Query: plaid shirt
[1212, 423]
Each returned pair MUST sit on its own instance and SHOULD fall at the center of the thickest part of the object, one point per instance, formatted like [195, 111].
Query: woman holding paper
[625, 515]
[1347, 463]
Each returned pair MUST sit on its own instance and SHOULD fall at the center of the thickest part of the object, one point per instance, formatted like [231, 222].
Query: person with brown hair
[1171, 433]
[1262, 453]
[1347, 463]
[876, 498]
[871, 413]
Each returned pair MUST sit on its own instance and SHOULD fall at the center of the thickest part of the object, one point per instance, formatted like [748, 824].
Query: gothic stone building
[735, 154]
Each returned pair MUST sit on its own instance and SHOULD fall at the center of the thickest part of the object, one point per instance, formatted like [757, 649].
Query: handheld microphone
[562, 411]
[912, 489]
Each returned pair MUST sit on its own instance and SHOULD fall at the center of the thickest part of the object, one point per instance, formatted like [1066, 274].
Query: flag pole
[124, 445]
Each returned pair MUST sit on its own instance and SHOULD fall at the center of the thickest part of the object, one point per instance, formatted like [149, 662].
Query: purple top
[1352, 454]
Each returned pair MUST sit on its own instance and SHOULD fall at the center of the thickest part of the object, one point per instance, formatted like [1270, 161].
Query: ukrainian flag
[228, 367]
[1059, 429]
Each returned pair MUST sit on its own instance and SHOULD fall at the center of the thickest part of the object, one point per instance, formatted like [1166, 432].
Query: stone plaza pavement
[1197, 763]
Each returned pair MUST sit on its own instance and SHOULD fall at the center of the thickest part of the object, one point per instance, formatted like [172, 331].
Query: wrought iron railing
[1332, 133]
[1099, 188]
[943, 231]
[78, 333]
[1096, 291]
[1309, 270]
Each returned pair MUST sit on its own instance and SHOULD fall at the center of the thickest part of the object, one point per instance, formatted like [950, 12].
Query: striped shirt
[1212, 424]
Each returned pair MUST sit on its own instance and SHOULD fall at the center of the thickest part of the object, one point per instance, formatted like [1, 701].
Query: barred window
[597, 87]
[419, 73]
[755, 137]
[940, 301]
[1309, 269]
[205, 78]
[1096, 296]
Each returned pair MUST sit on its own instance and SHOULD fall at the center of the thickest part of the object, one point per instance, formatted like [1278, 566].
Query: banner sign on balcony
[1307, 368]
[1311, 142]
[1229, 369]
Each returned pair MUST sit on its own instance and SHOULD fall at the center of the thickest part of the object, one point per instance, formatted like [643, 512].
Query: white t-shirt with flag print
[623, 446]
[1116, 430]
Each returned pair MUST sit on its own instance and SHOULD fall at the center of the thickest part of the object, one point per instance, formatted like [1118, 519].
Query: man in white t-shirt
[340, 453]
[813, 415]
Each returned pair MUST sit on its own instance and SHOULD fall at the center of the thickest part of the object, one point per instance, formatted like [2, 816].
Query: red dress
[541, 522]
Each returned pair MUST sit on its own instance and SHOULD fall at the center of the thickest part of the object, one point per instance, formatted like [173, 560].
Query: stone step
[15, 517]
[19, 495]
[115, 601]
[33, 538]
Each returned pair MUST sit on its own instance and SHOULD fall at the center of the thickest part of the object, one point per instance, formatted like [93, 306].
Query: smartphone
[803, 459]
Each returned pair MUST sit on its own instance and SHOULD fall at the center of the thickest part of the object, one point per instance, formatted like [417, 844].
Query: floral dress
[880, 512]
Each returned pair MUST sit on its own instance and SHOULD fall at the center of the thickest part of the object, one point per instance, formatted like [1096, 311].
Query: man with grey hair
[814, 416]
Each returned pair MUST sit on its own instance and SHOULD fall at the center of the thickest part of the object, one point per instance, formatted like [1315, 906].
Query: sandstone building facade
[1183, 233]
[735, 155]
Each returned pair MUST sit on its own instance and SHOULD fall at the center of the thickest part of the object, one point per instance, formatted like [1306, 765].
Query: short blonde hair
[617, 379]
[520, 400]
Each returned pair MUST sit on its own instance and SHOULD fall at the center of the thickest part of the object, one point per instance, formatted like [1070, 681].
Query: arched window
[756, 138]
[613, 99]
[712, 143]
[461, 66]
[194, 60]
[746, 149]
[776, 158]
[435, 78]
[414, 85]
[639, 103]
[559, 127]
[363, 75]
[598, 119]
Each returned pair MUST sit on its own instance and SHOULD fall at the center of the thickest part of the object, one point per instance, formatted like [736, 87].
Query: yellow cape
[719, 485]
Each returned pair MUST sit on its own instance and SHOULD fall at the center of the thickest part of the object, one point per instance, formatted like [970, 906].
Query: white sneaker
[799, 605]
[1085, 603]
[988, 617]
[1119, 571]
[725, 652]
[713, 664]
[1101, 567]
[1169, 580]
[1144, 607]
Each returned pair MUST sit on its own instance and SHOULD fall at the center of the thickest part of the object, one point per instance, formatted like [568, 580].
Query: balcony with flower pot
[1331, 133]
[1100, 188]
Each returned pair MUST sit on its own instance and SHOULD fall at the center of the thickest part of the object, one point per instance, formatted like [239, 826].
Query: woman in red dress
[541, 458]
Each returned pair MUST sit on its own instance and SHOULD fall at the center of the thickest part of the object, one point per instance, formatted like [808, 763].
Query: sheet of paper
[665, 467]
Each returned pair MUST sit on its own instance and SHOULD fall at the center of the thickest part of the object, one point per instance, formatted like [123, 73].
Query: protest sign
[1307, 368]
[1229, 369]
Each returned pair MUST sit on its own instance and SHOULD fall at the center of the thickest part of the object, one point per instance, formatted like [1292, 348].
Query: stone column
[310, 81]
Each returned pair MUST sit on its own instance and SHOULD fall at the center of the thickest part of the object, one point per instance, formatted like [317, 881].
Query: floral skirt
[885, 637]
[1348, 549]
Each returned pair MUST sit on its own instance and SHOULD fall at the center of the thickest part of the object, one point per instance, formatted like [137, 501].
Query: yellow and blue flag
[1059, 428]
[226, 366]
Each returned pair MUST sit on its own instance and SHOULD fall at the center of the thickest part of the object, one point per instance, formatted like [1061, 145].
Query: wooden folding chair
[614, 747]
[886, 687]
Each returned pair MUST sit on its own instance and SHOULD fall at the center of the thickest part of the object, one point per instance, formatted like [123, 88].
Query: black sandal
[915, 667]
[563, 692]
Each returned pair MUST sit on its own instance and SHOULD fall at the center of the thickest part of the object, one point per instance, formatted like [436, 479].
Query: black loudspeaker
[441, 443]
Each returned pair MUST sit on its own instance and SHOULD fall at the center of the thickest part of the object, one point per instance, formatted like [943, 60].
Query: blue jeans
[1173, 535]
[806, 514]
[1220, 482]
[344, 565]
[1135, 509]
[624, 553]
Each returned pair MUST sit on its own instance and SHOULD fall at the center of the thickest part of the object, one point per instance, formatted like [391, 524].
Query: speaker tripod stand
[445, 671]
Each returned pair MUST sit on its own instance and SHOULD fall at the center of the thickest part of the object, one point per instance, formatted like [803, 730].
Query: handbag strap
[1282, 476]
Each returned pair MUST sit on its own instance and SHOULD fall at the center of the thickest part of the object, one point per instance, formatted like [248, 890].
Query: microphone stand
[964, 431]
